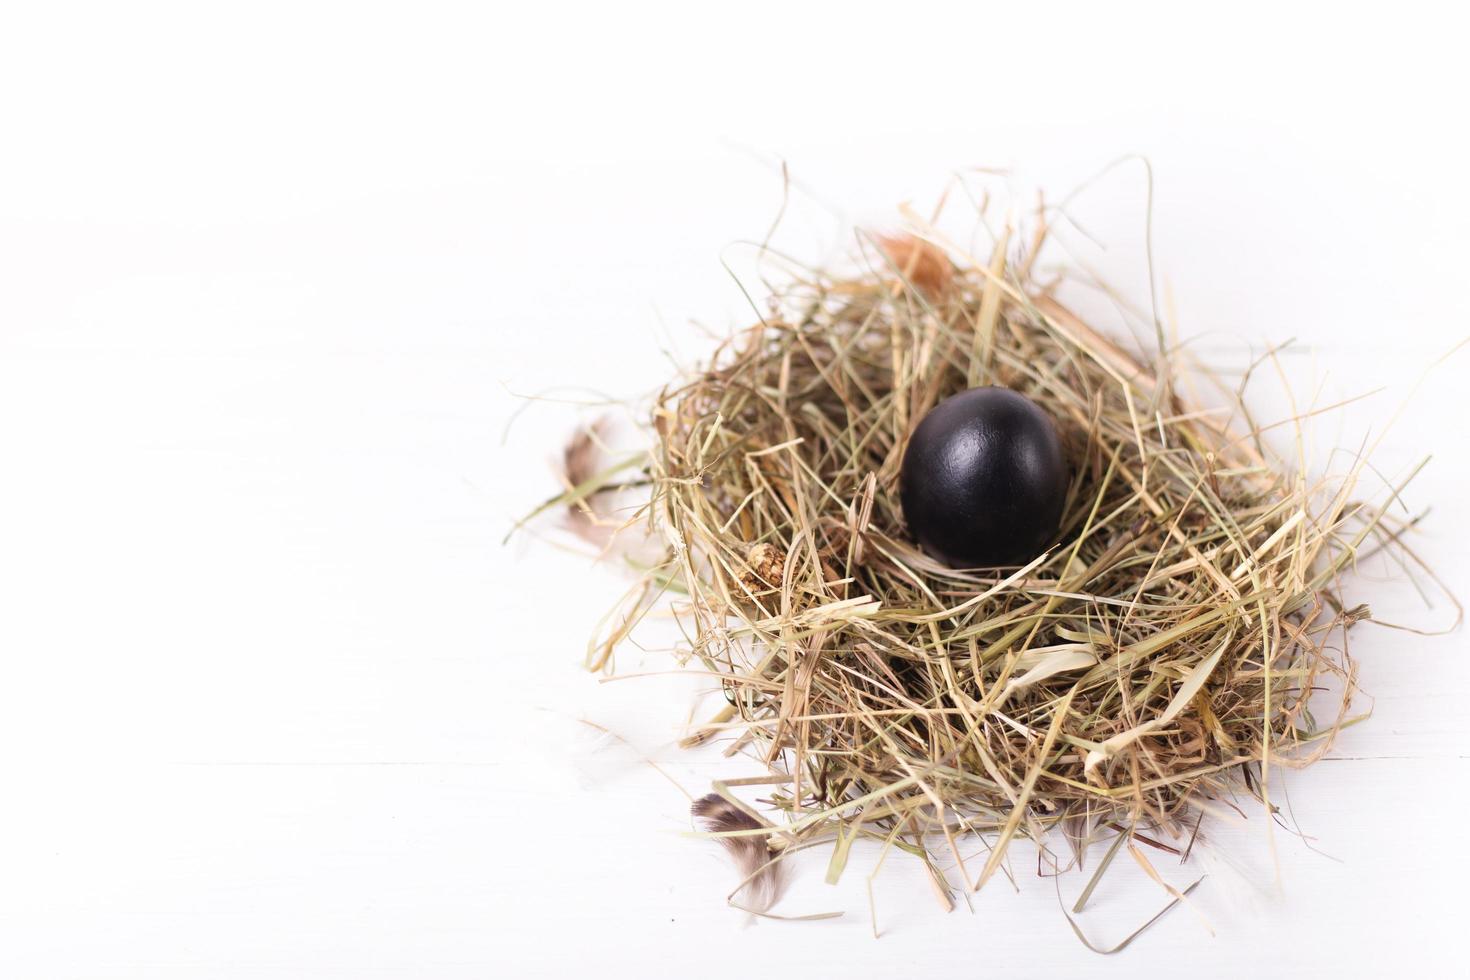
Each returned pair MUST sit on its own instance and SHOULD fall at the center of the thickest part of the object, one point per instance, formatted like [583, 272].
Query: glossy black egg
[983, 479]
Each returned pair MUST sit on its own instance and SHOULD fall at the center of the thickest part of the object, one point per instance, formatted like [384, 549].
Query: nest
[1183, 636]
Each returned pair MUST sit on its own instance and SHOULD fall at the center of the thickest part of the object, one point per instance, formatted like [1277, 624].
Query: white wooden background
[276, 702]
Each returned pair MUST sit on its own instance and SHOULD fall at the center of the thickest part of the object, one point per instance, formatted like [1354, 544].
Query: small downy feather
[921, 263]
[606, 515]
[762, 878]
[580, 462]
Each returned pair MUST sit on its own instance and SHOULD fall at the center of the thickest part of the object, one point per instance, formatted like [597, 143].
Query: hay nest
[1183, 635]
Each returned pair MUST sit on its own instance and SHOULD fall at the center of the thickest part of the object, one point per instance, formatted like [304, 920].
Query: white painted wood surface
[276, 702]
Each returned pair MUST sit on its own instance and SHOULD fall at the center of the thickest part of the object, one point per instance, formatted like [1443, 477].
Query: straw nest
[1183, 636]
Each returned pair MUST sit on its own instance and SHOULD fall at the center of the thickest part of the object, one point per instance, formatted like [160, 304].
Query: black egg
[983, 479]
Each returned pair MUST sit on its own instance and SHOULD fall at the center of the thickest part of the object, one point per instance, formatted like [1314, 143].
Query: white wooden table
[276, 702]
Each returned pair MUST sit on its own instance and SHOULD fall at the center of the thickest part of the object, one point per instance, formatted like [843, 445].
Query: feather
[580, 461]
[761, 877]
[921, 264]
[583, 451]
[605, 501]
[593, 515]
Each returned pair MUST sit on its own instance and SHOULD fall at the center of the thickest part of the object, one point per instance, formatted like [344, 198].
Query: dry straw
[1184, 637]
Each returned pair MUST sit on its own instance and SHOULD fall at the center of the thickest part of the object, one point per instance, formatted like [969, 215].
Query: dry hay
[1184, 636]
